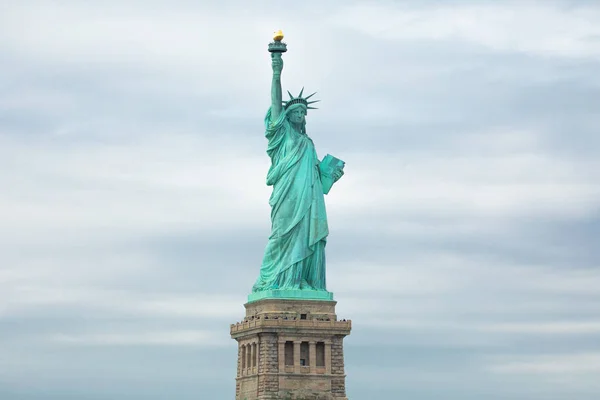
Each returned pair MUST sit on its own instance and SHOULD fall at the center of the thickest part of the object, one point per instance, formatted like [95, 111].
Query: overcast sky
[464, 236]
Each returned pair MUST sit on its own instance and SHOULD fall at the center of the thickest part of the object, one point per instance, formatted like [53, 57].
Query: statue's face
[297, 115]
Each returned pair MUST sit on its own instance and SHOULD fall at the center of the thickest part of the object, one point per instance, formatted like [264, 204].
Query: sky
[134, 211]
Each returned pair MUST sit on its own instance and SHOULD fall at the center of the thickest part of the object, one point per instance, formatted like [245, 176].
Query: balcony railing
[298, 323]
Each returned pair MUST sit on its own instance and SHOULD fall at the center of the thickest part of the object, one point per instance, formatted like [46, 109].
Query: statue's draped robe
[295, 254]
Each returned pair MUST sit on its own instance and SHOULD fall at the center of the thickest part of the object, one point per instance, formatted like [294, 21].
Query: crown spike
[299, 100]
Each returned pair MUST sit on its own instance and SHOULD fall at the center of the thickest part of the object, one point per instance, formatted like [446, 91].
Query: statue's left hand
[338, 174]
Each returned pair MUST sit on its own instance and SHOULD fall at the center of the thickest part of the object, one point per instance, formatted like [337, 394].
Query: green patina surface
[293, 265]
[291, 294]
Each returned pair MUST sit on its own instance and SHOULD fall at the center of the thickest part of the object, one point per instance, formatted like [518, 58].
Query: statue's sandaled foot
[305, 286]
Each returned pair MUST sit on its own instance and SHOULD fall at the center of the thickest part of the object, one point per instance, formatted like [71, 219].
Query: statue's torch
[277, 47]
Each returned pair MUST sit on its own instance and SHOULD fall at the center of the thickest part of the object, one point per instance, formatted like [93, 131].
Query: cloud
[168, 338]
[553, 364]
[578, 327]
[131, 185]
[548, 30]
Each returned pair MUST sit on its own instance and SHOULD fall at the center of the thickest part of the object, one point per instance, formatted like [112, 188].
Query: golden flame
[278, 36]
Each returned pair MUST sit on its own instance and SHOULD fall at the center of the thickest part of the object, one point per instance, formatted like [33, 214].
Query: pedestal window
[289, 353]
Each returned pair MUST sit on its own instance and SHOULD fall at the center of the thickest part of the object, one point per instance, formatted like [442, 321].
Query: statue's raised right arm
[276, 99]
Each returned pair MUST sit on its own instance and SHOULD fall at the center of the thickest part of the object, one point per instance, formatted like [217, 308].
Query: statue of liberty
[294, 258]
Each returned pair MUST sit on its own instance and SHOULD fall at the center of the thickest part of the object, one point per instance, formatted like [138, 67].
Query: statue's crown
[300, 100]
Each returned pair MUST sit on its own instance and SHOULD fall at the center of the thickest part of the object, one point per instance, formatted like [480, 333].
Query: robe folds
[295, 254]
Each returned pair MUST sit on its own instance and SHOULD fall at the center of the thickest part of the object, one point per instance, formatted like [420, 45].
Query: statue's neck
[296, 127]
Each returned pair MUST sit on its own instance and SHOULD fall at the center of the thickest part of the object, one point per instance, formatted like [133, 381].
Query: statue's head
[296, 108]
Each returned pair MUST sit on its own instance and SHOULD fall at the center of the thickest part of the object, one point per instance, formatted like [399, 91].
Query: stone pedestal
[290, 350]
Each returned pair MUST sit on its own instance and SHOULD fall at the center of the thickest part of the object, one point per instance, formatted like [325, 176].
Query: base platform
[291, 294]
